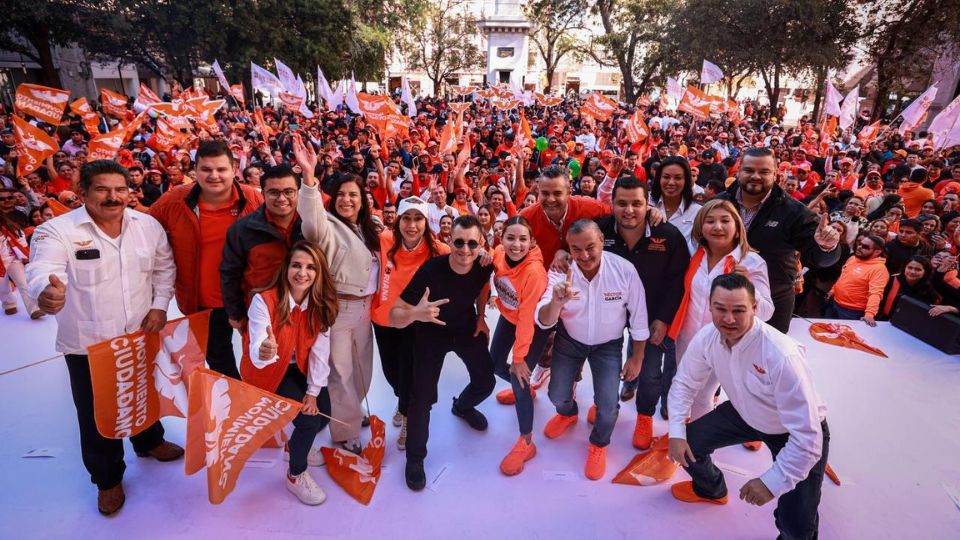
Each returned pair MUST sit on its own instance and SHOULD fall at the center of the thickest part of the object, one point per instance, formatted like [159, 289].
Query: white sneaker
[314, 457]
[402, 438]
[352, 445]
[397, 418]
[306, 489]
[540, 376]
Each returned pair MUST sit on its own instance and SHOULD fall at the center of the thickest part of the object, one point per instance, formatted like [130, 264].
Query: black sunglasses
[472, 244]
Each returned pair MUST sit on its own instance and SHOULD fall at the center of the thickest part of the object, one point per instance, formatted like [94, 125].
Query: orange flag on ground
[107, 145]
[842, 336]
[649, 468]
[42, 102]
[113, 103]
[33, 146]
[637, 129]
[695, 103]
[598, 106]
[236, 90]
[227, 422]
[358, 475]
[138, 378]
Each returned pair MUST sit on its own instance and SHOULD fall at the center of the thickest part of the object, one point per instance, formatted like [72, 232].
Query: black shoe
[475, 418]
[416, 478]
[628, 392]
[663, 411]
[365, 422]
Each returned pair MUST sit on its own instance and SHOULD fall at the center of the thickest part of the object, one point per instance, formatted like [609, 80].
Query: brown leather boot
[110, 500]
[165, 451]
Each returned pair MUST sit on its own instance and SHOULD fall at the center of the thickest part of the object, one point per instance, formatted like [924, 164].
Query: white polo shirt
[600, 313]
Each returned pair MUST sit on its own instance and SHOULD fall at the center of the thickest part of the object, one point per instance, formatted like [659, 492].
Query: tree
[443, 42]
[379, 22]
[554, 22]
[33, 27]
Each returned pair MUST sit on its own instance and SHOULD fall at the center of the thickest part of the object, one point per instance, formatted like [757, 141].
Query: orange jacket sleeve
[535, 282]
[878, 282]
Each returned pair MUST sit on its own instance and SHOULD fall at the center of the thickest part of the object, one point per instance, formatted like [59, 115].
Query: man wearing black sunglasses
[445, 301]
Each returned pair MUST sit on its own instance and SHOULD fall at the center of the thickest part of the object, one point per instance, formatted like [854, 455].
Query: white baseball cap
[413, 203]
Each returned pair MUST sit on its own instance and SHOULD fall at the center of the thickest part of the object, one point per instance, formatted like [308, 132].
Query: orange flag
[828, 126]
[505, 104]
[448, 138]
[228, 421]
[56, 207]
[644, 101]
[236, 90]
[138, 378]
[358, 475]
[525, 136]
[290, 101]
[551, 101]
[463, 90]
[145, 99]
[33, 146]
[637, 129]
[649, 468]
[695, 103]
[113, 103]
[486, 94]
[459, 107]
[42, 102]
[261, 124]
[107, 145]
[131, 129]
[598, 106]
[91, 120]
[165, 136]
[869, 133]
[843, 336]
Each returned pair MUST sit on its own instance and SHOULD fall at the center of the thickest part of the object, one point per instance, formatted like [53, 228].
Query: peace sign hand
[427, 311]
[826, 236]
[563, 291]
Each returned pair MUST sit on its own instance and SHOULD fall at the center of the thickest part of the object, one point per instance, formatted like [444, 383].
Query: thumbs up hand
[268, 348]
[53, 297]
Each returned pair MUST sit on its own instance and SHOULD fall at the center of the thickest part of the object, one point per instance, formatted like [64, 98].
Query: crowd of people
[318, 239]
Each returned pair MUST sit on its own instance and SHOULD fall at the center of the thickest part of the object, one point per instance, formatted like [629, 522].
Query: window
[504, 52]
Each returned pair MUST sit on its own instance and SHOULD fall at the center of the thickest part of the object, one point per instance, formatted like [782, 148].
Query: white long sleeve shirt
[681, 219]
[318, 365]
[600, 313]
[768, 381]
[107, 295]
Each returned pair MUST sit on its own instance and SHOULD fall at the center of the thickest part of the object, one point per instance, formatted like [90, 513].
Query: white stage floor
[894, 425]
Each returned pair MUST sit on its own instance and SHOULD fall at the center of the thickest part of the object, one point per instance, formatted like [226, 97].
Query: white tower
[507, 43]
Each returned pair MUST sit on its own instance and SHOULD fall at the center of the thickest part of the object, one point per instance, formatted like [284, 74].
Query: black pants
[428, 352]
[656, 375]
[796, 514]
[783, 302]
[220, 356]
[102, 457]
[396, 359]
[305, 426]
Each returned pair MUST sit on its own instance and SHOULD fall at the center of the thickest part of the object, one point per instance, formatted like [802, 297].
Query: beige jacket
[349, 259]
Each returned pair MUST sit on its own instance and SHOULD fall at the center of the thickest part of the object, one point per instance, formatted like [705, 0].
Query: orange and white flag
[524, 135]
[236, 90]
[486, 94]
[549, 101]
[113, 103]
[145, 99]
[358, 475]
[868, 133]
[290, 101]
[33, 146]
[505, 104]
[107, 145]
[42, 102]
[165, 137]
[448, 138]
[696, 103]
[463, 90]
[228, 421]
[598, 106]
[91, 120]
[637, 129]
[131, 129]
[138, 378]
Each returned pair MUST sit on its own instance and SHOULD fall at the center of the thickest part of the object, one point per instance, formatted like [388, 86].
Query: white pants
[351, 366]
[15, 276]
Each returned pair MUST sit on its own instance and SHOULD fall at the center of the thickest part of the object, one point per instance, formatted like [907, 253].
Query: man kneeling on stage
[772, 399]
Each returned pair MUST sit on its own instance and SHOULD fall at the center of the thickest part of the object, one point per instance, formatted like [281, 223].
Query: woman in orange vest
[520, 279]
[401, 259]
[286, 351]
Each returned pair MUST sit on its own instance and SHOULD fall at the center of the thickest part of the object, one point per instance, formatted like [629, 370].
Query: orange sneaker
[683, 491]
[521, 452]
[753, 446]
[592, 414]
[596, 462]
[506, 397]
[557, 425]
[643, 432]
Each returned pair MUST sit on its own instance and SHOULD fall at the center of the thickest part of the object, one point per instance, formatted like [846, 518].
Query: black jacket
[661, 259]
[782, 227]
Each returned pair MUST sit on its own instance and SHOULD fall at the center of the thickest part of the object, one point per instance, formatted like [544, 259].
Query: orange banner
[637, 129]
[236, 90]
[358, 475]
[842, 335]
[113, 103]
[145, 99]
[33, 146]
[107, 145]
[290, 101]
[695, 103]
[42, 102]
[138, 378]
[228, 421]
[598, 106]
[651, 467]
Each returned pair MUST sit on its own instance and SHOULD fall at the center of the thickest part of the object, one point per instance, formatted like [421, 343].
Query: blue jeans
[606, 361]
[656, 375]
[834, 311]
[503, 339]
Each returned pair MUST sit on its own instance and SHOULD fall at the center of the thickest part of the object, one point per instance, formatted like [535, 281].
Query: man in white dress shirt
[104, 270]
[772, 399]
[598, 297]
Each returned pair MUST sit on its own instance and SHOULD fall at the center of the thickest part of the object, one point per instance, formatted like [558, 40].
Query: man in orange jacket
[858, 291]
[196, 218]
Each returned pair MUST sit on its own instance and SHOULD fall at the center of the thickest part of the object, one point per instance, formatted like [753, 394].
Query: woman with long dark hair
[672, 194]
[916, 281]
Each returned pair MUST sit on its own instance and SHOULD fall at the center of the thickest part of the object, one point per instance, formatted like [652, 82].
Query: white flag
[945, 128]
[407, 97]
[710, 73]
[336, 97]
[323, 87]
[674, 89]
[832, 100]
[302, 94]
[287, 78]
[221, 77]
[914, 113]
[351, 97]
[849, 108]
[264, 80]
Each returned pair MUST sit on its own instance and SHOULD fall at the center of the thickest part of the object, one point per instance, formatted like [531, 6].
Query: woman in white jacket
[14, 252]
[721, 237]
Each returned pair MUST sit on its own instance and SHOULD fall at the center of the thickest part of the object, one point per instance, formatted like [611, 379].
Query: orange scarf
[677, 324]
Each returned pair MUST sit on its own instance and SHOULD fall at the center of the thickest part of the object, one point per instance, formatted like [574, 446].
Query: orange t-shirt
[394, 278]
[214, 222]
